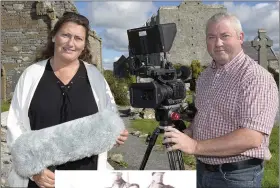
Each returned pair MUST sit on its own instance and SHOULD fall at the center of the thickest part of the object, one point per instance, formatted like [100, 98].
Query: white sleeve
[110, 101]
[14, 119]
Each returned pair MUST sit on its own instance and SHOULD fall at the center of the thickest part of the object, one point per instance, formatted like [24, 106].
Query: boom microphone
[70, 141]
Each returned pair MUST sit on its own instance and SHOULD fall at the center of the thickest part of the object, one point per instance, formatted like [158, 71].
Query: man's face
[223, 42]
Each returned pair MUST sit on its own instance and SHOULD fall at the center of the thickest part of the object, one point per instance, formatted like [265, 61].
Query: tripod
[175, 157]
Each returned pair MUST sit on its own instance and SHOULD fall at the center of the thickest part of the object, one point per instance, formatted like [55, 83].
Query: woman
[61, 88]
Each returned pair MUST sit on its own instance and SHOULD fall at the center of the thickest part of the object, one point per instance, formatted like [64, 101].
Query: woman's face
[69, 41]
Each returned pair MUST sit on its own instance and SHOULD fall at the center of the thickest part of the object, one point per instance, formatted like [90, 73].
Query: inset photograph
[125, 179]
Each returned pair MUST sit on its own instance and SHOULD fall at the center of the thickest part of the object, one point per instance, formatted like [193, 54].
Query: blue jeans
[244, 178]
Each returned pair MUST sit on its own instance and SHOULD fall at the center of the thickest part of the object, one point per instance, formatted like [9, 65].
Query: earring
[52, 39]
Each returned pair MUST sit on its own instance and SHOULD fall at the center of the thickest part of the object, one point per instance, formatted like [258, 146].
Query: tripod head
[169, 115]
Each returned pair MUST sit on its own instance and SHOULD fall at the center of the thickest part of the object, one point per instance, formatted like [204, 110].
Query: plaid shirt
[241, 94]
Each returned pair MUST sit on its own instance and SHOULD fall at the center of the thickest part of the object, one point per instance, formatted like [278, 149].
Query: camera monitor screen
[151, 39]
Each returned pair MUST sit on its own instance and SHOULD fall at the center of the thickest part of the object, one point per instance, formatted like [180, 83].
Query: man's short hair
[225, 15]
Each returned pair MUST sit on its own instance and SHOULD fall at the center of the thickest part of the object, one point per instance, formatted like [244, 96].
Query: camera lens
[147, 95]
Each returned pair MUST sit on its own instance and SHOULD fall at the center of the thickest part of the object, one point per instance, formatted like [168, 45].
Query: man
[236, 101]
[158, 181]
[119, 182]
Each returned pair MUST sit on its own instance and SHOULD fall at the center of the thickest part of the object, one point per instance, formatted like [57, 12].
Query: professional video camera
[166, 92]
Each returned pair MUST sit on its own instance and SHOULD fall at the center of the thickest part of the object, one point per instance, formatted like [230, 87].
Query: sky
[112, 19]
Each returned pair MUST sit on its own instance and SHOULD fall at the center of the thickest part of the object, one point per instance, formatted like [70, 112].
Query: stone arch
[3, 84]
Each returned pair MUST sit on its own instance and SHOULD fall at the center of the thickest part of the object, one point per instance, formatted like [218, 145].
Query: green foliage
[117, 164]
[130, 79]
[123, 164]
[5, 106]
[189, 96]
[190, 162]
[196, 69]
[120, 90]
[271, 168]
[109, 76]
[119, 86]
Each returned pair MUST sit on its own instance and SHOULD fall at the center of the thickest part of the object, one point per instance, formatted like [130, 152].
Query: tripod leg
[180, 160]
[151, 144]
[176, 160]
[172, 163]
[146, 157]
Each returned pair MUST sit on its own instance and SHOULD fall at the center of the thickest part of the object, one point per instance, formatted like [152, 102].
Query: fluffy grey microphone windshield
[91, 135]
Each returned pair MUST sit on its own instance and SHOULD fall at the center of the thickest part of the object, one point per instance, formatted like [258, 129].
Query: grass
[5, 106]
[147, 126]
[190, 162]
[271, 172]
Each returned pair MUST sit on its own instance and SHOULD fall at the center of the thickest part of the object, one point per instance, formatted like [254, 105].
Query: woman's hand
[122, 138]
[45, 179]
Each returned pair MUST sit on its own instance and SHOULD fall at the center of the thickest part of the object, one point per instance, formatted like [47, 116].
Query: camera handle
[175, 157]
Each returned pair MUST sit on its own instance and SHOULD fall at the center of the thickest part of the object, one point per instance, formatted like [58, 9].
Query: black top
[54, 103]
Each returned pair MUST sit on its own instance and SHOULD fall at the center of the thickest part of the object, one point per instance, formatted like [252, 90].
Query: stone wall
[24, 31]
[6, 159]
[190, 18]
[96, 49]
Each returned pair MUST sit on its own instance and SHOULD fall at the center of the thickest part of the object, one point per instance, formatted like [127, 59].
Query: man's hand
[179, 141]
[122, 138]
[45, 179]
